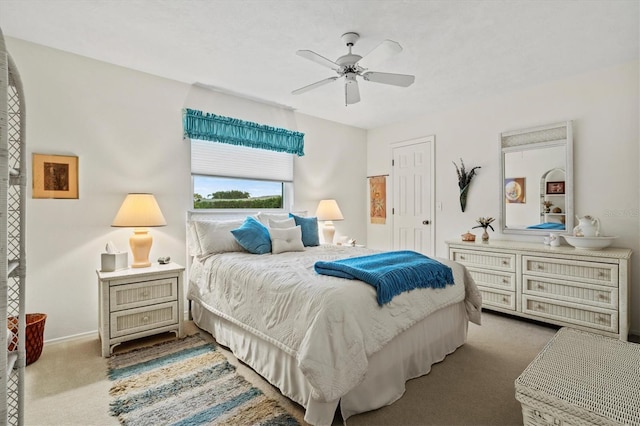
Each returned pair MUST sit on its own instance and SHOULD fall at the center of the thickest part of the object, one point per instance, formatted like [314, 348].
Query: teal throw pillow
[309, 226]
[253, 236]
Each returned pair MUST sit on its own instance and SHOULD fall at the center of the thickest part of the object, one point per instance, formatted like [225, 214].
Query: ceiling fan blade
[314, 85]
[380, 53]
[351, 91]
[313, 56]
[403, 80]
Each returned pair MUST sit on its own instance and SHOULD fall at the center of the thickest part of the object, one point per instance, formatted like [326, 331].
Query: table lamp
[328, 211]
[139, 211]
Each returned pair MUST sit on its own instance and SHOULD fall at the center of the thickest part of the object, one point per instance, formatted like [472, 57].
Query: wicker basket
[34, 337]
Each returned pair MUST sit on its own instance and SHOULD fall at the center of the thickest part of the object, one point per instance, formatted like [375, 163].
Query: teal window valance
[216, 128]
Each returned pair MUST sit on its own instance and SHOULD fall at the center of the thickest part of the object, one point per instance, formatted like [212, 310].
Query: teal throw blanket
[391, 273]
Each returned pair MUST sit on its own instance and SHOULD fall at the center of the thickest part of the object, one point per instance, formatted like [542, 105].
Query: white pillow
[214, 236]
[193, 245]
[286, 239]
[264, 217]
[287, 223]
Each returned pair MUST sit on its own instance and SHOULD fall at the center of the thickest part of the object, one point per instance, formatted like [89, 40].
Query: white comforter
[330, 325]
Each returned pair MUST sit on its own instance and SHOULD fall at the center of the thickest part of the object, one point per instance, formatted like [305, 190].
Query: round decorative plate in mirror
[588, 243]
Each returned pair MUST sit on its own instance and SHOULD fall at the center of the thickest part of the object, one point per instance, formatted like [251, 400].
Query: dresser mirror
[537, 180]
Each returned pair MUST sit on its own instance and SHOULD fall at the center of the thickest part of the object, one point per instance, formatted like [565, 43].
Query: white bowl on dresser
[588, 243]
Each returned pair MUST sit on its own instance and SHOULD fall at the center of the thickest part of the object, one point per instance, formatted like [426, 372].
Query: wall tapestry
[55, 176]
[514, 190]
[378, 197]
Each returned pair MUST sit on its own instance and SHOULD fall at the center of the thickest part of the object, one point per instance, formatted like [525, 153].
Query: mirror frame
[556, 134]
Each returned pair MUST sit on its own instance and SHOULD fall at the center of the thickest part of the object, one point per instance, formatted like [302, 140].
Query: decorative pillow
[214, 236]
[287, 223]
[309, 226]
[193, 245]
[264, 217]
[253, 236]
[286, 239]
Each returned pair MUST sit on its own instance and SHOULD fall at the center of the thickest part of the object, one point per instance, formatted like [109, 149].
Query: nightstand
[139, 302]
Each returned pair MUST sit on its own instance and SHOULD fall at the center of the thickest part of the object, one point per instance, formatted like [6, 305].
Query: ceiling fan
[351, 65]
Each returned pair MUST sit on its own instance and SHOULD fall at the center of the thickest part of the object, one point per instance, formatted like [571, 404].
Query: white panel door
[412, 197]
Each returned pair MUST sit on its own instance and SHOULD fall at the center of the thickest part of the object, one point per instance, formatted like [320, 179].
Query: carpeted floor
[68, 385]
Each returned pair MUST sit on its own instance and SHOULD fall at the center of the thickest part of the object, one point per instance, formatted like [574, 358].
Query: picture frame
[515, 190]
[556, 187]
[55, 176]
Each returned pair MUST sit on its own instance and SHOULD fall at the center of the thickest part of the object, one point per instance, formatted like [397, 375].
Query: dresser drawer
[595, 295]
[494, 279]
[142, 319]
[497, 298]
[584, 272]
[496, 261]
[587, 316]
[127, 296]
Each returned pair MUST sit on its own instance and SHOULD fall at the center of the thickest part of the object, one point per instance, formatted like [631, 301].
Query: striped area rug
[187, 382]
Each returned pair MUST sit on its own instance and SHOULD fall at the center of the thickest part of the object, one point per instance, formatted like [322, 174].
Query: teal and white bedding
[330, 325]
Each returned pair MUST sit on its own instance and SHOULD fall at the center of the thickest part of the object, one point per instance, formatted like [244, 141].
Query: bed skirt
[409, 355]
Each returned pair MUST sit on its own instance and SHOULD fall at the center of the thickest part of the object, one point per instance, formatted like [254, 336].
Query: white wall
[604, 108]
[125, 126]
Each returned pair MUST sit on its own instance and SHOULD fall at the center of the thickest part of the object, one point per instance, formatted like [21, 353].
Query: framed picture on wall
[555, 187]
[515, 190]
[55, 176]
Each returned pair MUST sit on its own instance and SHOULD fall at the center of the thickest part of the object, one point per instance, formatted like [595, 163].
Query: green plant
[484, 223]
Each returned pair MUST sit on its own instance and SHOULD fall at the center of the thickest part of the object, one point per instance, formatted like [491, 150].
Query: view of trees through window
[211, 192]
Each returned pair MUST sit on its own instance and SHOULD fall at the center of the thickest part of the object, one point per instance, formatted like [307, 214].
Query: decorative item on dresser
[135, 303]
[484, 223]
[585, 289]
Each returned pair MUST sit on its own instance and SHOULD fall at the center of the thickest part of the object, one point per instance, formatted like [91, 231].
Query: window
[236, 177]
[213, 192]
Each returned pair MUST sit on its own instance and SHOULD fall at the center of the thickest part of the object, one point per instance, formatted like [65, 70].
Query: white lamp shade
[329, 210]
[139, 210]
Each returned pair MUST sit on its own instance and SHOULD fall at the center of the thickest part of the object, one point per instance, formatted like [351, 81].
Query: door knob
[425, 222]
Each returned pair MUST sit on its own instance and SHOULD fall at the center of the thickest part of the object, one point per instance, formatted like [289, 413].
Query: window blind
[221, 159]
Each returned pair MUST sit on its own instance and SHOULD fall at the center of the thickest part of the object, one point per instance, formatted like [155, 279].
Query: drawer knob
[462, 257]
[505, 300]
[601, 274]
[601, 319]
[540, 267]
[505, 281]
[504, 262]
[539, 307]
[145, 293]
[540, 287]
[145, 318]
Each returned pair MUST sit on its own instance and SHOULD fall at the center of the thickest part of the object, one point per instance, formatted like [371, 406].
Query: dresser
[584, 289]
[139, 302]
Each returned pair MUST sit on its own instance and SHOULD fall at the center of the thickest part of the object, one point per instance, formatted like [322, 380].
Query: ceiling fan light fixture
[349, 66]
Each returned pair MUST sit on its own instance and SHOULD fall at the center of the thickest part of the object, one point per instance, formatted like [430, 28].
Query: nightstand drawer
[128, 296]
[496, 261]
[585, 272]
[141, 319]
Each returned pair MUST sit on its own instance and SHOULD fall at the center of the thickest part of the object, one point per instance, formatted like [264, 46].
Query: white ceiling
[459, 51]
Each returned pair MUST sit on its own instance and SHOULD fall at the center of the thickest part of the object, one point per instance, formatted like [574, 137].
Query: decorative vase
[485, 236]
[463, 197]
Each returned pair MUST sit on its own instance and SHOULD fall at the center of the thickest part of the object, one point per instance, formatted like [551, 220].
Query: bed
[323, 341]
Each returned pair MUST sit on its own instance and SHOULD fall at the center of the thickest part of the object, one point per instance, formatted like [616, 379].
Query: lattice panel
[13, 128]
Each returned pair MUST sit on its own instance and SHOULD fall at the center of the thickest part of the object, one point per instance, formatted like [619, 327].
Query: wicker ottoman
[581, 378]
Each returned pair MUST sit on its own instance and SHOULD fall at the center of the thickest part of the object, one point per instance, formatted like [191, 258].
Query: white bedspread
[330, 325]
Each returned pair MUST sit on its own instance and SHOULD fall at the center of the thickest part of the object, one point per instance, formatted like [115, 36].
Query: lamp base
[140, 243]
[328, 232]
